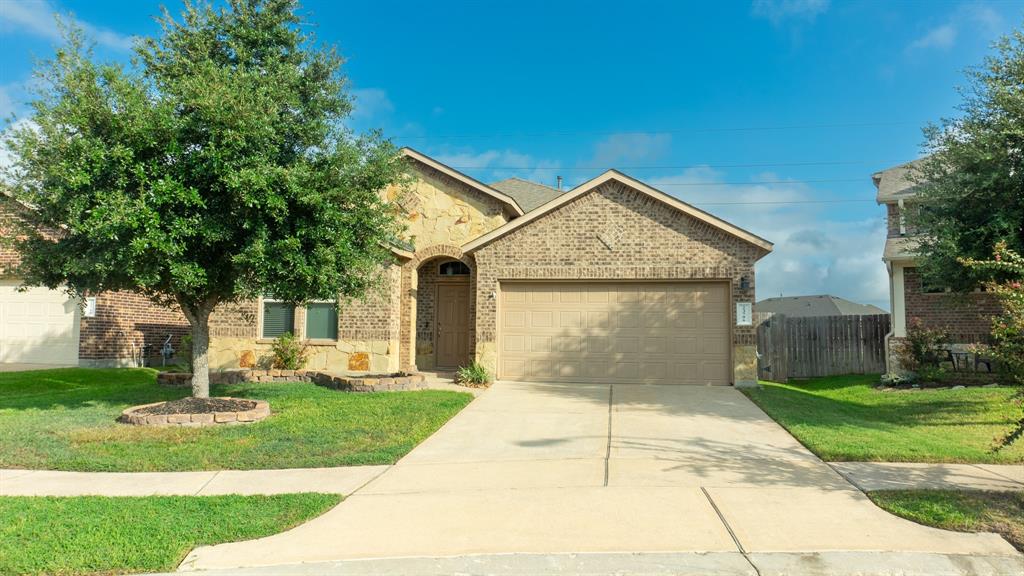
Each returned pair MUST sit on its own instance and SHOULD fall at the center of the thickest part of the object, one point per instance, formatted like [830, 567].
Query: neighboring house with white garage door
[610, 281]
[42, 326]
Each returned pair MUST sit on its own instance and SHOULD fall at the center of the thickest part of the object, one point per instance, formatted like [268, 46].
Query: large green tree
[972, 186]
[216, 167]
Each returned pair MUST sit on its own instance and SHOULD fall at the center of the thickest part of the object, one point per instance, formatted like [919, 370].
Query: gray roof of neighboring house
[896, 182]
[528, 195]
[819, 305]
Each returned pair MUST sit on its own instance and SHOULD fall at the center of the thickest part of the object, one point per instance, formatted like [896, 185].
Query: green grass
[844, 418]
[99, 535]
[999, 512]
[64, 420]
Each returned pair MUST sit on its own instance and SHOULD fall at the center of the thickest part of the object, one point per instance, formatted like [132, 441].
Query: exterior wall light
[744, 283]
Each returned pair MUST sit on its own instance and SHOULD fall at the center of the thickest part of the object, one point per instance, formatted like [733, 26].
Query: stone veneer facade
[377, 333]
[653, 242]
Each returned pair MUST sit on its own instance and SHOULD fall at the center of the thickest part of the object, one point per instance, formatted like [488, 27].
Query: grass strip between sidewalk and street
[101, 535]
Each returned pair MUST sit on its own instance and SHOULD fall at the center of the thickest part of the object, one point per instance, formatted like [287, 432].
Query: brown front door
[452, 325]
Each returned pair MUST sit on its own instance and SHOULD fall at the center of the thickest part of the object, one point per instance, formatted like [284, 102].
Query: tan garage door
[643, 332]
[37, 326]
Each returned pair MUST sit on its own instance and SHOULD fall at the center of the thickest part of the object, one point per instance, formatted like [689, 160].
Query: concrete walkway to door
[553, 469]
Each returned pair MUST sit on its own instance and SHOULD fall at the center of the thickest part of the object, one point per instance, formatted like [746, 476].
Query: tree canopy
[972, 185]
[216, 167]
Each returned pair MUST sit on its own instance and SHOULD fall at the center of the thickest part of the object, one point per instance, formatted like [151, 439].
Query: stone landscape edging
[258, 412]
[345, 382]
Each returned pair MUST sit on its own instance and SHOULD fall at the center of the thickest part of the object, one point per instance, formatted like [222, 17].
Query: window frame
[337, 318]
[440, 268]
[262, 319]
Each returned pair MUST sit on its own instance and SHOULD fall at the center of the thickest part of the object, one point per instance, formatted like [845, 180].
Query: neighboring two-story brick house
[966, 317]
[610, 281]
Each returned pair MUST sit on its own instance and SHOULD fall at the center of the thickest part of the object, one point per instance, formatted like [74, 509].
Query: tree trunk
[199, 320]
[200, 358]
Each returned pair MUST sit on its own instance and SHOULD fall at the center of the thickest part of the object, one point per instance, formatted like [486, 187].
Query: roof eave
[762, 244]
[464, 178]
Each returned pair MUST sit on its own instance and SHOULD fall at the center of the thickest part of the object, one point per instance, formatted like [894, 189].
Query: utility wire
[680, 166]
[665, 131]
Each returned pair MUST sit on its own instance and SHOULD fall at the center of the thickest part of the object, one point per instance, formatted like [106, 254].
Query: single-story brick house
[42, 326]
[966, 317]
[612, 280]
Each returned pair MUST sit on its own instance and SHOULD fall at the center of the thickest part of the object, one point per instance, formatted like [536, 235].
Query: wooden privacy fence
[791, 347]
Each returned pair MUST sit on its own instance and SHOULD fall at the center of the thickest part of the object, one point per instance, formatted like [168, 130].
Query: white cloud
[36, 17]
[939, 37]
[815, 252]
[371, 103]
[779, 11]
[493, 165]
[630, 147]
[974, 17]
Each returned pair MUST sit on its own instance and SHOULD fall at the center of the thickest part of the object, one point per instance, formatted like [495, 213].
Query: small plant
[289, 353]
[473, 375]
[920, 350]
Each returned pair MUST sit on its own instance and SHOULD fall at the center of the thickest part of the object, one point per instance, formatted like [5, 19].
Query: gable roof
[467, 180]
[617, 176]
[817, 305]
[528, 194]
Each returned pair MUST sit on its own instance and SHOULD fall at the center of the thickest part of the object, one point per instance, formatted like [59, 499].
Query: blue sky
[771, 114]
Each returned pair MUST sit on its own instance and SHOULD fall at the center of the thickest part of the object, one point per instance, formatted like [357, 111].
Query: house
[43, 326]
[819, 305]
[966, 317]
[612, 280]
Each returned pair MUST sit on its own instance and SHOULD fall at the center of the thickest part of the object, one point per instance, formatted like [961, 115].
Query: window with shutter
[278, 318]
[322, 320]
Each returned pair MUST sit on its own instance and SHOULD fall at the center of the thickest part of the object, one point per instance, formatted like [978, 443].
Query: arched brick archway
[409, 296]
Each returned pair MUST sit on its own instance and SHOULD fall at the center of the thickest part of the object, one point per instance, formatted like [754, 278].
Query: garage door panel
[602, 332]
[37, 325]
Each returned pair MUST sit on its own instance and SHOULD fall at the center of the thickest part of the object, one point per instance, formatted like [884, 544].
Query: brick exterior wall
[9, 258]
[967, 317]
[141, 321]
[892, 220]
[650, 240]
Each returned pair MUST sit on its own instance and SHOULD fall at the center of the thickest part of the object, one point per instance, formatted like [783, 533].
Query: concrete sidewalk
[541, 471]
[870, 476]
[345, 480]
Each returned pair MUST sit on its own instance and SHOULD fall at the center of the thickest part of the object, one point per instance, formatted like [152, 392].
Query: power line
[780, 202]
[776, 182]
[679, 166]
[665, 131]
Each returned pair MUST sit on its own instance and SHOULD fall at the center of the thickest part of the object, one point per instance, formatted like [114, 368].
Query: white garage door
[643, 332]
[39, 326]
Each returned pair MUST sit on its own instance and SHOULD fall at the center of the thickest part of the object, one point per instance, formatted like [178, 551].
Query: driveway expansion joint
[739, 545]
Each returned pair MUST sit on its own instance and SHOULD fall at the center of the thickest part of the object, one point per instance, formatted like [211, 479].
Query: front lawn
[64, 420]
[844, 418]
[999, 512]
[99, 535]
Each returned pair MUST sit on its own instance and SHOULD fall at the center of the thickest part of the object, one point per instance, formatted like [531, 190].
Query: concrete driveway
[549, 469]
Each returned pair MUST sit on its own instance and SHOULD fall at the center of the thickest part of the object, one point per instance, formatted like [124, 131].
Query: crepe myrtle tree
[214, 168]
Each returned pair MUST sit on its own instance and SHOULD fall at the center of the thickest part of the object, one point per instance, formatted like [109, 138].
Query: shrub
[1007, 330]
[289, 353]
[473, 375]
[920, 349]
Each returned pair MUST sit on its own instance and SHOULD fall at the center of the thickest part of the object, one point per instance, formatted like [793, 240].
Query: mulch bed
[198, 406]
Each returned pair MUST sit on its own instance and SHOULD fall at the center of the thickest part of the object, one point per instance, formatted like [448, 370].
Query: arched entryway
[438, 320]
